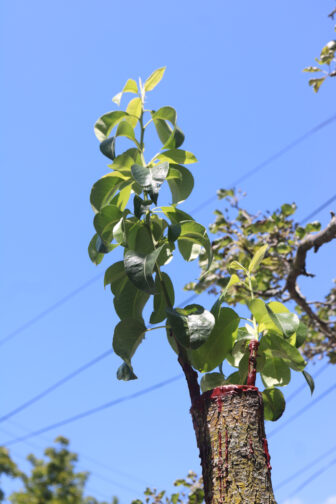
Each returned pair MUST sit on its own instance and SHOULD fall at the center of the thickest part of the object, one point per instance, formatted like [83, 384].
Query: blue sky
[234, 76]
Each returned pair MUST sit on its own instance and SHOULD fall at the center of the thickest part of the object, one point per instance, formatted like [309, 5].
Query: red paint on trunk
[226, 466]
[267, 455]
[220, 464]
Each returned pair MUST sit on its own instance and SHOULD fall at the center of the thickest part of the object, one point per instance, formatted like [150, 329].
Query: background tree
[239, 234]
[228, 421]
[52, 480]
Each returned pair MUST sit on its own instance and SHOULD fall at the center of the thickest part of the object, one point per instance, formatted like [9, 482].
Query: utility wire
[53, 387]
[49, 310]
[312, 477]
[270, 160]
[319, 209]
[302, 410]
[248, 174]
[306, 467]
[94, 410]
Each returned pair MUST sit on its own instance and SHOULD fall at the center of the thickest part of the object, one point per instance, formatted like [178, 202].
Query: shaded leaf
[139, 269]
[95, 256]
[192, 237]
[127, 336]
[126, 373]
[182, 186]
[150, 179]
[309, 379]
[107, 147]
[140, 206]
[274, 404]
[220, 342]
[191, 325]
[159, 301]
[212, 380]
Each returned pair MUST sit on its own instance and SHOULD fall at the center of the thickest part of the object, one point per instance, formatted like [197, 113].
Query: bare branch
[332, 14]
[298, 267]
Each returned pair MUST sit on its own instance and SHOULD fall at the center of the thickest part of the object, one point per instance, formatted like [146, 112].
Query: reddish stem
[252, 364]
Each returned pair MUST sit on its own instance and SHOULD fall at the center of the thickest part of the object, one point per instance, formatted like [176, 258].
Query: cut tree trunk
[229, 426]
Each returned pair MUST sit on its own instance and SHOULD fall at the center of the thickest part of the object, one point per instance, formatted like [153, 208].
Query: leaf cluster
[325, 65]
[191, 492]
[52, 479]
[128, 214]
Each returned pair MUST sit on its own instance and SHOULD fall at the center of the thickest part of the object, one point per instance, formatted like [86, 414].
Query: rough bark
[229, 426]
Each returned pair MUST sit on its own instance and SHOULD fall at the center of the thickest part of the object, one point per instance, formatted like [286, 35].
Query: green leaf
[130, 87]
[128, 301]
[235, 265]
[134, 109]
[191, 325]
[301, 334]
[107, 147]
[126, 373]
[257, 258]
[211, 380]
[232, 280]
[159, 300]
[95, 256]
[274, 404]
[275, 373]
[106, 123]
[177, 156]
[126, 130]
[312, 69]
[122, 197]
[175, 215]
[182, 186]
[287, 323]
[105, 220]
[316, 83]
[171, 137]
[154, 79]
[139, 269]
[140, 206]
[275, 346]
[174, 231]
[219, 344]
[150, 179]
[104, 189]
[192, 237]
[128, 335]
[309, 379]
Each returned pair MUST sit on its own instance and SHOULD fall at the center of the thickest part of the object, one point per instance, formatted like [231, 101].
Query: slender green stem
[158, 327]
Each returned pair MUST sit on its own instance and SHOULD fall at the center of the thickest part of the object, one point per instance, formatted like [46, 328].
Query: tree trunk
[229, 426]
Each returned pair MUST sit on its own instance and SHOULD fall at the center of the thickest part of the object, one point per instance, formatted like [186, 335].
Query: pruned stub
[229, 426]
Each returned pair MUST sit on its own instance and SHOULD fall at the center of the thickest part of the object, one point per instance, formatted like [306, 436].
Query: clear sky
[234, 76]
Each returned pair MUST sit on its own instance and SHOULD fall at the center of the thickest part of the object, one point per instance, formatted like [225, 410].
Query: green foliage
[52, 480]
[326, 64]
[190, 491]
[151, 234]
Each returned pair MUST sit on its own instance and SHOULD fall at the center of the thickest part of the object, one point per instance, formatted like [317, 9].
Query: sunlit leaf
[154, 79]
[275, 373]
[257, 258]
[177, 156]
[181, 186]
[275, 346]
[130, 87]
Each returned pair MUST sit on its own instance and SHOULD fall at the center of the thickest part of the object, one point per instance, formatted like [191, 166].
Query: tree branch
[298, 267]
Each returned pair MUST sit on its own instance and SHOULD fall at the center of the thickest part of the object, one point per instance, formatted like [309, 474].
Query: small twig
[332, 14]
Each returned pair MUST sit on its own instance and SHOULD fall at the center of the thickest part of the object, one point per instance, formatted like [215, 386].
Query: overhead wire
[92, 411]
[312, 477]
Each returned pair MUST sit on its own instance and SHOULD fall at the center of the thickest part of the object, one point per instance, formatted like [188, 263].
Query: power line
[94, 410]
[306, 467]
[312, 477]
[53, 387]
[303, 410]
[270, 160]
[319, 209]
[49, 310]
